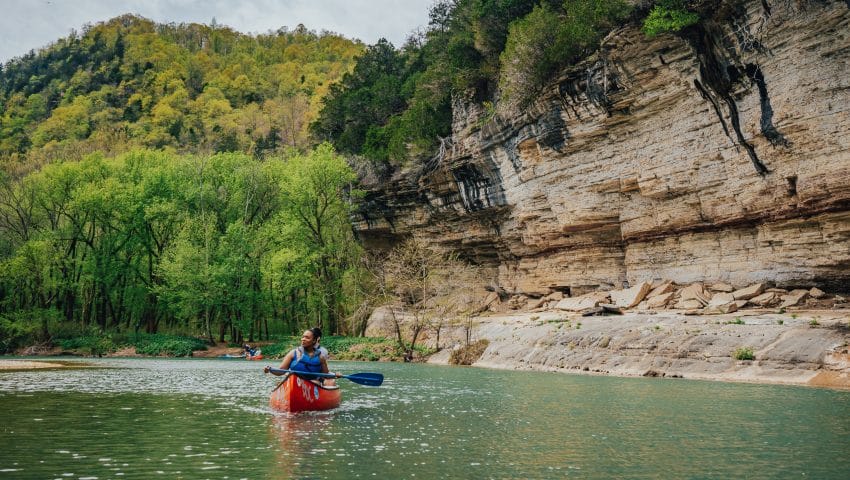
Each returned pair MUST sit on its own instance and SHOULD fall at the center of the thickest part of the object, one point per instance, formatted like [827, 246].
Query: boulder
[722, 303]
[691, 304]
[694, 291]
[577, 304]
[659, 301]
[490, 299]
[721, 299]
[794, 297]
[557, 296]
[816, 293]
[630, 297]
[747, 293]
[765, 299]
[721, 287]
[721, 309]
[535, 303]
[665, 287]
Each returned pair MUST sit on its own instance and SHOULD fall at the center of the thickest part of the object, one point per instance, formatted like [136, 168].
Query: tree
[312, 190]
[429, 287]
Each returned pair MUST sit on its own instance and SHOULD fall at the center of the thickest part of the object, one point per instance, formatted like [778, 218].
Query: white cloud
[31, 24]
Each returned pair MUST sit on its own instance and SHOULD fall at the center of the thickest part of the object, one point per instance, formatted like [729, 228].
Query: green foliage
[814, 322]
[744, 353]
[550, 38]
[224, 244]
[130, 83]
[341, 348]
[171, 345]
[669, 16]
[93, 345]
[16, 332]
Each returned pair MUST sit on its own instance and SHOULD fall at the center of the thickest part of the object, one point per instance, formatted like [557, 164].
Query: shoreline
[805, 348]
[7, 365]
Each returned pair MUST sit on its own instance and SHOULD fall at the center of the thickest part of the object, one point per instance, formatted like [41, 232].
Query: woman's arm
[324, 364]
[287, 360]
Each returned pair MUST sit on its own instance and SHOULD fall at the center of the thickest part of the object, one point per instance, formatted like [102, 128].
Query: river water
[152, 418]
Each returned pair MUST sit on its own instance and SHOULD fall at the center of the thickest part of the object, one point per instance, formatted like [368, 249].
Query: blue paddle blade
[368, 379]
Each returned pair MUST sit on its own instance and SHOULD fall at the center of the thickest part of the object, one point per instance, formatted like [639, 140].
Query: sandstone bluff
[717, 155]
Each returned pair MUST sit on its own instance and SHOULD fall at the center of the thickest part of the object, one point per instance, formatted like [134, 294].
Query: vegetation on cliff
[396, 105]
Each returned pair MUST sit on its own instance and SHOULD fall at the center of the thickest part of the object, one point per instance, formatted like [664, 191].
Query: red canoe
[255, 357]
[295, 394]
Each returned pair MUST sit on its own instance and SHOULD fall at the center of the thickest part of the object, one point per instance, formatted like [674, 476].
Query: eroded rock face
[721, 155]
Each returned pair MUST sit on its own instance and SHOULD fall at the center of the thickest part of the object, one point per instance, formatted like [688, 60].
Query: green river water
[153, 418]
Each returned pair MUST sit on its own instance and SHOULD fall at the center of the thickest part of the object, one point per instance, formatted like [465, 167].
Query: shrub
[163, 344]
[468, 354]
[668, 16]
[547, 39]
[15, 333]
[91, 344]
[744, 353]
[340, 347]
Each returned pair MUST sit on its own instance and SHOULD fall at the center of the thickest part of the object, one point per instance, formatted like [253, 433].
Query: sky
[31, 24]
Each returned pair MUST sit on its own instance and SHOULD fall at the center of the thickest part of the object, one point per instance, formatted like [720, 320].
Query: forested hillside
[130, 83]
[161, 178]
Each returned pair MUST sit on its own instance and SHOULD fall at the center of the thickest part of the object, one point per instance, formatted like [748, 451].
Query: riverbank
[28, 365]
[805, 347]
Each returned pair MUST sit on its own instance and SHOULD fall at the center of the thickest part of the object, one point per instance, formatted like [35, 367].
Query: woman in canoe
[309, 357]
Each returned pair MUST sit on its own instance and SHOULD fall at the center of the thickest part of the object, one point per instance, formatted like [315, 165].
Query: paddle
[368, 379]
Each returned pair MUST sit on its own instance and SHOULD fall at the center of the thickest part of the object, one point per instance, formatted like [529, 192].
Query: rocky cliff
[722, 153]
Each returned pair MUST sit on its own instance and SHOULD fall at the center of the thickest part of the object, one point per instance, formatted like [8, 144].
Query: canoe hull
[298, 395]
[255, 357]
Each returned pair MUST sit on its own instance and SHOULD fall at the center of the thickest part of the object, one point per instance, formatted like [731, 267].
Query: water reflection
[297, 437]
[210, 419]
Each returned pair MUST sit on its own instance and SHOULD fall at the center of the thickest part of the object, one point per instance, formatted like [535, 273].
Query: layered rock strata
[719, 154]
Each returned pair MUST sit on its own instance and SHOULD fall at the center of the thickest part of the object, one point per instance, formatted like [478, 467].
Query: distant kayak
[259, 356]
[296, 394]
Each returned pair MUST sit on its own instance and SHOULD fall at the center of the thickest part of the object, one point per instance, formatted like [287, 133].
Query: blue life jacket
[302, 362]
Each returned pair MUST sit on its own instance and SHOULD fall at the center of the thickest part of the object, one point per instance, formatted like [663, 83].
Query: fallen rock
[557, 296]
[659, 301]
[816, 293]
[721, 299]
[721, 303]
[665, 287]
[630, 297]
[691, 304]
[535, 303]
[765, 299]
[577, 304]
[721, 309]
[721, 287]
[694, 291]
[489, 299]
[794, 297]
[749, 292]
